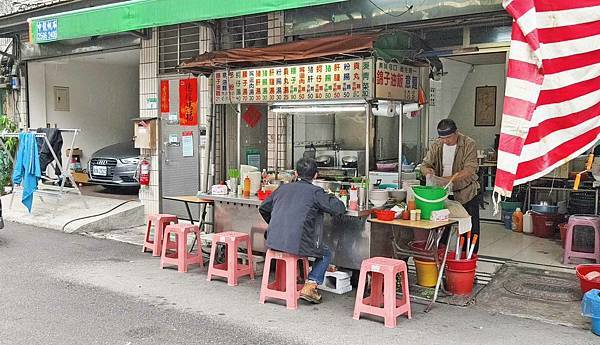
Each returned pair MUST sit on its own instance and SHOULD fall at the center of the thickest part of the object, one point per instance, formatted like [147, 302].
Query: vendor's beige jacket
[465, 158]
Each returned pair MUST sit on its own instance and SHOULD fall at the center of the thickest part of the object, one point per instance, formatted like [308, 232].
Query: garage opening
[98, 94]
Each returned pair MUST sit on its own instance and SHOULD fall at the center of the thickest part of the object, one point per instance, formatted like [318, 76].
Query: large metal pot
[350, 161]
[324, 160]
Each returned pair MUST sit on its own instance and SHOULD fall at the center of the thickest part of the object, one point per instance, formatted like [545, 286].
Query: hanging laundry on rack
[56, 141]
[27, 170]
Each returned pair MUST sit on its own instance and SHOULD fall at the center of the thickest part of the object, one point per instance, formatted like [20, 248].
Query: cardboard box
[560, 172]
[144, 133]
[80, 177]
[76, 152]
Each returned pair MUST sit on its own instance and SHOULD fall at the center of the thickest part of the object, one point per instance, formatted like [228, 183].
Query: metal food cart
[345, 86]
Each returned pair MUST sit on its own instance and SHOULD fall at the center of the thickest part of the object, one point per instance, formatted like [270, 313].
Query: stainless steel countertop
[253, 200]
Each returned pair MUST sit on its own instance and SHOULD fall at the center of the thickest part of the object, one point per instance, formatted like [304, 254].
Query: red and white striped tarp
[552, 100]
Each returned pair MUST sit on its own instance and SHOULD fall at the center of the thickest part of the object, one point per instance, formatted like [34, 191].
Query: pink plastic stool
[231, 268]
[574, 221]
[383, 303]
[285, 286]
[180, 257]
[160, 221]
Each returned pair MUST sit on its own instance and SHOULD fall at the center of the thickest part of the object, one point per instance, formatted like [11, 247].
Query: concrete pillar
[205, 100]
[276, 156]
[150, 196]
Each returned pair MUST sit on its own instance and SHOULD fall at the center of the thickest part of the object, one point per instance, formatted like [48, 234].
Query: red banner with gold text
[188, 102]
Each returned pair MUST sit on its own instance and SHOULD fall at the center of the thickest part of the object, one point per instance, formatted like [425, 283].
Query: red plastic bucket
[544, 225]
[460, 282]
[463, 264]
[587, 285]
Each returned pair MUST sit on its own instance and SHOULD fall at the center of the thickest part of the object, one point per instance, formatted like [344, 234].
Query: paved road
[40, 308]
[68, 289]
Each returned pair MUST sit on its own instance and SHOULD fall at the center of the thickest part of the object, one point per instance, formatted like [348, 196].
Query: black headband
[445, 132]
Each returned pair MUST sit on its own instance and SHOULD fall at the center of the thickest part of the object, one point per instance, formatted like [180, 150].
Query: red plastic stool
[581, 220]
[231, 268]
[180, 257]
[285, 286]
[160, 221]
[386, 305]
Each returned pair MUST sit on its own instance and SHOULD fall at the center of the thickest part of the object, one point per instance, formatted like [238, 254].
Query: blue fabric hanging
[27, 170]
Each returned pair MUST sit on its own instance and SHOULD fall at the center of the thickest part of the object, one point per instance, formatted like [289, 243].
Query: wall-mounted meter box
[144, 133]
[203, 136]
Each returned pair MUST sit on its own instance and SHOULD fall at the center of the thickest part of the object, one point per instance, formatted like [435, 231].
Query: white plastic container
[527, 223]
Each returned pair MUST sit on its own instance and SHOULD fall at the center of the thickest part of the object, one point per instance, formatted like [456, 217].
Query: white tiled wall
[205, 99]
[21, 109]
[276, 22]
[149, 89]
[150, 196]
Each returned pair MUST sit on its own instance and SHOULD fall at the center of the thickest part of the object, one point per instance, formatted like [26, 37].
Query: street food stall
[324, 110]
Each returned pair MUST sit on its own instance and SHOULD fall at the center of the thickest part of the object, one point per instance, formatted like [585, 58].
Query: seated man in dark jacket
[294, 213]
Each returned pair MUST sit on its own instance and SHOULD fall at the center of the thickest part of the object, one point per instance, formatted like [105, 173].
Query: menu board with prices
[347, 79]
[396, 82]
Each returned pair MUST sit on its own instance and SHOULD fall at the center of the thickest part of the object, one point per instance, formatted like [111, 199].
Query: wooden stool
[231, 268]
[383, 303]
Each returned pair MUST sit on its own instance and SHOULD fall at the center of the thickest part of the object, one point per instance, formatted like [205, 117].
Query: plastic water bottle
[527, 223]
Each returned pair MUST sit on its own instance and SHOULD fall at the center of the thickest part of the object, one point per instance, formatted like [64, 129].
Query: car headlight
[133, 160]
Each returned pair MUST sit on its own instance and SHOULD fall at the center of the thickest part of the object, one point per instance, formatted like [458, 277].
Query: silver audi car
[114, 166]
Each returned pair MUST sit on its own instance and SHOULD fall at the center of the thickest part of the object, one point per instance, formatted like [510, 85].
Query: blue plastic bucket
[590, 307]
[507, 218]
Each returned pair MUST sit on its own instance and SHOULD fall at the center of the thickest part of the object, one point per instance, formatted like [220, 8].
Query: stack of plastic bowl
[378, 197]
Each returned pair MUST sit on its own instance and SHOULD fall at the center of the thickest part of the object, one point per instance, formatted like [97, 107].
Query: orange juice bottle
[412, 205]
[247, 184]
[517, 221]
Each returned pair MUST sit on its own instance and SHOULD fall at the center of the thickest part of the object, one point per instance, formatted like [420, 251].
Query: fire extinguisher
[144, 172]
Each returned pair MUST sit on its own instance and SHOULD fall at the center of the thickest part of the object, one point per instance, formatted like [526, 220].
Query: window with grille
[245, 32]
[177, 43]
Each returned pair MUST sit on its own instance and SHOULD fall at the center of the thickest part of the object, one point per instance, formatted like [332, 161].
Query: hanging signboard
[396, 82]
[346, 79]
[46, 30]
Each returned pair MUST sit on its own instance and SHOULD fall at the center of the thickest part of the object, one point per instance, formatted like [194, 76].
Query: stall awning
[399, 45]
[139, 14]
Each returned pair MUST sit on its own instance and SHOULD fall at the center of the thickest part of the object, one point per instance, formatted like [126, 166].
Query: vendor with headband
[455, 154]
